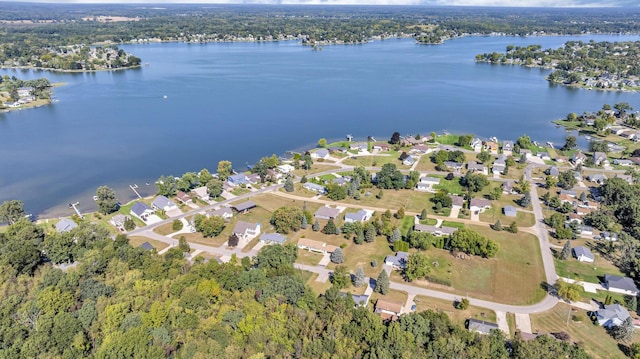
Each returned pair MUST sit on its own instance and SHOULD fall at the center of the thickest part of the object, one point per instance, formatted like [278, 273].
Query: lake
[242, 101]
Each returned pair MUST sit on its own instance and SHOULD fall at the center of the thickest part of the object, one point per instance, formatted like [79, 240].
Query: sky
[508, 3]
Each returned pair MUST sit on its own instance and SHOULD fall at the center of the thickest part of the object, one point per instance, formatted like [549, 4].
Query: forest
[84, 293]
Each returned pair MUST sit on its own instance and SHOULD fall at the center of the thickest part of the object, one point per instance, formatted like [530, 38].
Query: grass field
[457, 316]
[407, 222]
[315, 168]
[514, 276]
[136, 241]
[413, 201]
[361, 255]
[164, 229]
[374, 161]
[452, 186]
[522, 219]
[593, 338]
[425, 164]
[588, 272]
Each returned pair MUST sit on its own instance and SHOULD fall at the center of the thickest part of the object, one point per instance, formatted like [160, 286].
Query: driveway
[454, 212]
[501, 318]
[326, 259]
[475, 216]
[523, 322]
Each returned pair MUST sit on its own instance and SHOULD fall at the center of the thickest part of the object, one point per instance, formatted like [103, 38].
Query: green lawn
[522, 219]
[452, 186]
[588, 272]
[136, 241]
[374, 161]
[453, 224]
[594, 338]
[425, 164]
[315, 168]
[413, 201]
[457, 316]
[407, 222]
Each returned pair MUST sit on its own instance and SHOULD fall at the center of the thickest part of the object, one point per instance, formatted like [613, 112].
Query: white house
[225, 212]
[141, 211]
[246, 231]
[399, 261]
[313, 187]
[202, 192]
[273, 238]
[612, 315]
[321, 153]
[315, 246]
[360, 216]
[619, 284]
[426, 184]
[476, 144]
[162, 203]
[583, 254]
[286, 168]
[479, 205]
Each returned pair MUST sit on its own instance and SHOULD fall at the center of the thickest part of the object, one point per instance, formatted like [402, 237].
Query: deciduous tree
[106, 200]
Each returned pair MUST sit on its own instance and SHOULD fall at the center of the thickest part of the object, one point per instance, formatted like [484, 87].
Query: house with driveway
[162, 203]
[202, 192]
[273, 238]
[398, 261]
[479, 205]
[611, 315]
[388, 309]
[141, 211]
[118, 221]
[360, 216]
[246, 231]
[313, 187]
[426, 184]
[315, 246]
[480, 326]
[457, 202]
[436, 231]
[225, 212]
[510, 211]
[321, 153]
[327, 213]
[474, 166]
[619, 284]
[583, 254]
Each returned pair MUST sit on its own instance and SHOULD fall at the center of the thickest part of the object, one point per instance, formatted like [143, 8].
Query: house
[491, 147]
[360, 147]
[146, 246]
[622, 162]
[553, 171]
[577, 176]
[436, 231]
[499, 165]
[285, 169]
[65, 225]
[456, 201]
[544, 156]
[162, 203]
[474, 166]
[426, 184]
[270, 238]
[507, 148]
[568, 192]
[254, 178]
[583, 254]
[609, 236]
[237, 180]
[201, 192]
[619, 284]
[479, 205]
[476, 144]
[527, 153]
[327, 213]
[399, 261]
[183, 197]
[600, 159]
[388, 309]
[118, 221]
[381, 147]
[244, 206]
[313, 187]
[585, 230]
[578, 158]
[612, 315]
[453, 166]
[589, 204]
[246, 230]
[341, 180]
[565, 198]
[507, 187]
[360, 216]
[574, 217]
[626, 178]
[225, 212]
[321, 153]
[597, 178]
[409, 161]
[337, 149]
[141, 211]
[510, 211]
[581, 211]
[315, 246]
[360, 300]
[480, 326]
[420, 149]
[25, 91]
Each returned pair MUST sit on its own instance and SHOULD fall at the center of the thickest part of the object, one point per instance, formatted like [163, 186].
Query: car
[413, 307]
[597, 238]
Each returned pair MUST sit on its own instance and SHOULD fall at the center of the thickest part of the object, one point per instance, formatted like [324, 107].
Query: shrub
[177, 225]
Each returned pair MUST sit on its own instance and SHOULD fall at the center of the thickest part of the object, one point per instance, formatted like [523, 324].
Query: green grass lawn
[457, 316]
[374, 161]
[453, 224]
[315, 168]
[429, 221]
[522, 219]
[407, 222]
[593, 338]
[514, 276]
[588, 272]
[452, 186]
[136, 241]
[425, 164]
[413, 201]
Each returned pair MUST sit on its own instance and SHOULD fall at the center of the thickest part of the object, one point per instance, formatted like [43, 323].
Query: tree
[382, 283]
[464, 140]
[396, 235]
[567, 291]
[288, 184]
[329, 228]
[524, 141]
[400, 213]
[184, 245]
[315, 226]
[177, 225]
[395, 138]
[513, 227]
[340, 277]
[495, 194]
[598, 146]
[462, 304]
[215, 187]
[209, 227]
[417, 266]
[567, 180]
[304, 224]
[389, 177]
[442, 198]
[337, 256]
[129, 224]
[224, 169]
[624, 331]
[401, 246]
[359, 238]
[233, 240]
[322, 142]
[471, 242]
[423, 214]
[572, 116]
[285, 219]
[11, 211]
[570, 143]
[204, 176]
[277, 260]
[336, 192]
[475, 182]
[551, 181]
[484, 156]
[524, 186]
[525, 200]
[566, 251]
[106, 200]
[359, 279]
[622, 108]
[497, 226]
[167, 186]
[188, 181]
[370, 233]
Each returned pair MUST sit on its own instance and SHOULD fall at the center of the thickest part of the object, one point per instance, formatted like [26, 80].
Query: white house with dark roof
[583, 254]
[619, 284]
[65, 225]
[118, 221]
[499, 165]
[316, 246]
[327, 213]
[479, 205]
[474, 166]
[456, 201]
[225, 212]
[476, 144]
[598, 178]
[398, 261]
[271, 238]
[453, 166]
[436, 231]
[620, 162]
[426, 184]
[246, 231]
[141, 211]
[360, 216]
[201, 192]
[612, 315]
[578, 158]
[409, 161]
[162, 203]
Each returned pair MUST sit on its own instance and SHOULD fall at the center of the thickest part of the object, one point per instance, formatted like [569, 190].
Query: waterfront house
[315, 246]
[162, 203]
[237, 180]
[381, 147]
[619, 284]
[426, 184]
[65, 225]
[507, 148]
[398, 261]
[271, 238]
[285, 169]
[320, 154]
[25, 91]
[327, 213]
[491, 147]
[600, 159]
[201, 192]
[141, 211]
[476, 144]
[118, 221]
[578, 158]
[246, 231]
[183, 197]
[315, 188]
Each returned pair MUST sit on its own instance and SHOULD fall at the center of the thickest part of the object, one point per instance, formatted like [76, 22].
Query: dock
[75, 208]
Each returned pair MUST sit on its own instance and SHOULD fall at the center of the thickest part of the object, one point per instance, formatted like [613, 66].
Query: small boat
[587, 137]
[550, 144]
[95, 198]
[165, 96]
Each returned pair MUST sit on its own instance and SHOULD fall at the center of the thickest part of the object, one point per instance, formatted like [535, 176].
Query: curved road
[539, 230]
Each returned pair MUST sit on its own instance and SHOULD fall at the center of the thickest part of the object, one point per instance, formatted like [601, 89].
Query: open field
[522, 219]
[457, 316]
[136, 241]
[374, 161]
[588, 272]
[594, 338]
[315, 168]
[165, 229]
[413, 201]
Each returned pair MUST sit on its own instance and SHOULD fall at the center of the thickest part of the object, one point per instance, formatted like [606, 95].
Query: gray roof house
[480, 326]
[479, 204]
[622, 162]
[273, 238]
[146, 246]
[315, 187]
[618, 284]
[510, 211]
[569, 192]
[599, 158]
[65, 225]
[507, 147]
[507, 187]
[141, 210]
[399, 261]
[453, 165]
[118, 221]
[244, 206]
[554, 171]
[238, 179]
[327, 213]
[409, 161]
[360, 216]
[426, 183]
[224, 212]
[583, 254]
[246, 230]
[499, 165]
[321, 153]
[612, 315]
[436, 231]
[456, 201]
[474, 166]
[597, 178]
[161, 203]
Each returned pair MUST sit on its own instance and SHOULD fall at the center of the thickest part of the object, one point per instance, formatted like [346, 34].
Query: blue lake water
[242, 101]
